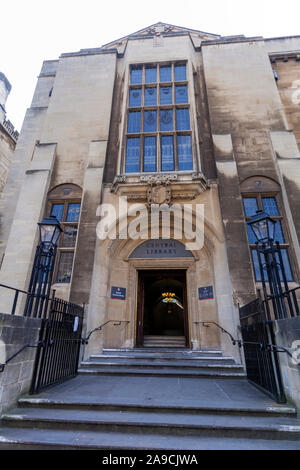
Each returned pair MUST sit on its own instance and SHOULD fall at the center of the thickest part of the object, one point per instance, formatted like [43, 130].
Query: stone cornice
[181, 186]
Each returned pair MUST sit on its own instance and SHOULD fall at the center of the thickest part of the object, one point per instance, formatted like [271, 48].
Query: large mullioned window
[158, 131]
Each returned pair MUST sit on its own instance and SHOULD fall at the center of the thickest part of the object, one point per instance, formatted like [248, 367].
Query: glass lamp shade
[263, 227]
[50, 230]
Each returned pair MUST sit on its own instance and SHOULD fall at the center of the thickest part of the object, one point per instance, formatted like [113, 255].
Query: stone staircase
[151, 341]
[161, 398]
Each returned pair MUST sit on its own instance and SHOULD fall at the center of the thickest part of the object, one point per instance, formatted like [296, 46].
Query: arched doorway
[162, 293]
[162, 305]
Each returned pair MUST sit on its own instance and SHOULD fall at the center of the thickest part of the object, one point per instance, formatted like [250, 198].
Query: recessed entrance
[162, 306]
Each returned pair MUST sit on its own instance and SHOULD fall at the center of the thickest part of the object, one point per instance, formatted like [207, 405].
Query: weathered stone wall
[15, 332]
[7, 147]
[21, 159]
[244, 107]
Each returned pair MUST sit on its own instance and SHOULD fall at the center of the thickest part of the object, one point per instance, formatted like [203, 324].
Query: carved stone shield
[159, 195]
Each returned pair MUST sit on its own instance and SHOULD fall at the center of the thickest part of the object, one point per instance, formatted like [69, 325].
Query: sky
[34, 30]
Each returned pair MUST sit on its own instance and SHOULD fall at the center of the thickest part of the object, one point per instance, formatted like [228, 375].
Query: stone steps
[151, 341]
[162, 363]
[161, 352]
[154, 422]
[169, 400]
[16, 439]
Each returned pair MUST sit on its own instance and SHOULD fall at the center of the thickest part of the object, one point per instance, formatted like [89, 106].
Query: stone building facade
[8, 134]
[166, 115]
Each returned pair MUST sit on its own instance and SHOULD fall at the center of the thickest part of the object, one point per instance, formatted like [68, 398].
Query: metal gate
[261, 358]
[60, 339]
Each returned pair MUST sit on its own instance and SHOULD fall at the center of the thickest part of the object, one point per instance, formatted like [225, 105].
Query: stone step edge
[162, 373]
[269, 410]
[160, 364]
[163, 425]
[210, 443]
[187, 350]
[154, 358]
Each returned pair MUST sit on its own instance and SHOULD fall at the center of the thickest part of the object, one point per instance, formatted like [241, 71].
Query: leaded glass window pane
[73, 212]
[184, 148]
[165, 73]
[64, 271]
[150, 153]
[165, 95]
[136, 75]
[181, 94]
[167, 153]
[57, 211]
[270, 206]
[135, 97]
[278, 236]
[150, 74]
[286, 265]
[250, 206]
[132, 155]
[150, 96]
[166, 119]
[256, 266]
[69, 236]
[150, 121]
[180, 73]
[182, 119]
[251, 236]
[134, 122]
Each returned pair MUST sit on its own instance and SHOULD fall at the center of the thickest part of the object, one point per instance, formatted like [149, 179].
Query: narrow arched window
[261, 193]
[64, 202]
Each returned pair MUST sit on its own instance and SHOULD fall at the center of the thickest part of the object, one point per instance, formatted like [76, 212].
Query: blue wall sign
[118, 293]
[206, 292]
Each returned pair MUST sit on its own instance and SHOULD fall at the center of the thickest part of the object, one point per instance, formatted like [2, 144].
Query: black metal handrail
[42, 344]
[98, 328]
[36, 344]
[39, 298]
[263, 346]
[205, 323]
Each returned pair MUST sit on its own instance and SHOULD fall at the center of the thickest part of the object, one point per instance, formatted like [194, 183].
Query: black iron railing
[256, 318]
[60, 339]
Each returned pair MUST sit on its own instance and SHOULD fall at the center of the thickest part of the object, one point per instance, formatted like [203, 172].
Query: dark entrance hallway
[162, 306]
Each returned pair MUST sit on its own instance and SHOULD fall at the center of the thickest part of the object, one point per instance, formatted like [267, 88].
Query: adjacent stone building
[8, 134]
[166, 115]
